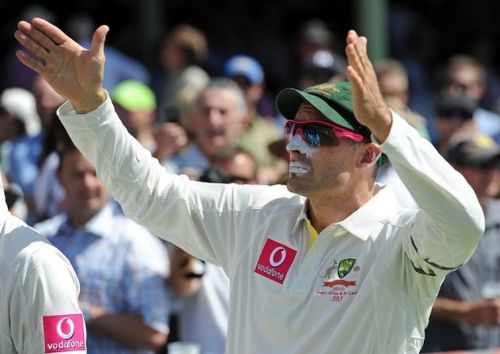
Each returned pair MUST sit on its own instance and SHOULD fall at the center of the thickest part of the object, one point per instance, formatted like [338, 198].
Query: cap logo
[325, 89]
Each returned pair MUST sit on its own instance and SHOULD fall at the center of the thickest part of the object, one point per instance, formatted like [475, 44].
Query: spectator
[454, 116]
[466, 313]
[18, 115]
[323, 66]
[394, 87]
[257, 131]
[217, 124]
[24, 153]
[204, 287]
[121, 267]
[464, 75]
[183, 52]
[136, 106]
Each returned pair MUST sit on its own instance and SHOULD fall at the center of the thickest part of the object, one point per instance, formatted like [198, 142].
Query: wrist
[91, 102]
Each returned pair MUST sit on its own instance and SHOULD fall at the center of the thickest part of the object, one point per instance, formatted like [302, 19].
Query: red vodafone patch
[64, 333]
[275, 260]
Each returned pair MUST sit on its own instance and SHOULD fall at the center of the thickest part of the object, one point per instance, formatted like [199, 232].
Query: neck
[78, 220]
[329, 209]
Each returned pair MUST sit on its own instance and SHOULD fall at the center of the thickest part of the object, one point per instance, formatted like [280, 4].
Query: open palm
[73, 71]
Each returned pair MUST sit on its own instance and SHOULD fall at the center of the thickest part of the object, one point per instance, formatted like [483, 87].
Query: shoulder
[30, 254]
[50, 226]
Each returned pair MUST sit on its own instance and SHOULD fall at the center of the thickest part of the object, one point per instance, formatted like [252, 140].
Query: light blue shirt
[121, 267]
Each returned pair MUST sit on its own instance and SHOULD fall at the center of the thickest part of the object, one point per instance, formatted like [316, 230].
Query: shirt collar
[99, 225]
[369, 218]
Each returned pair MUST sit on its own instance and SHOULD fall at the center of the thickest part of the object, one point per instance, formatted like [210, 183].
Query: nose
[297, 143]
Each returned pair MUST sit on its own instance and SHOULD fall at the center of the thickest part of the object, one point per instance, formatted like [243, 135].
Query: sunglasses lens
[314, 134]
[312, 138]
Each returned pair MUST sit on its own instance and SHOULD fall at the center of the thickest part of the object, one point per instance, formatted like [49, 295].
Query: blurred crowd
[218, 124]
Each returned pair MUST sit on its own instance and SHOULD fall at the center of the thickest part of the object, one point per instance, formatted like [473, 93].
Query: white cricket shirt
[365, 286]
[39, 310]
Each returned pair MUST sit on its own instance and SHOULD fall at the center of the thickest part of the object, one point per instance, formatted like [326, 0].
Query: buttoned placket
[312, 261]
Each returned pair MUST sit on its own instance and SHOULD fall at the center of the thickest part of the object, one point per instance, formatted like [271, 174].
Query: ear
[371, 154]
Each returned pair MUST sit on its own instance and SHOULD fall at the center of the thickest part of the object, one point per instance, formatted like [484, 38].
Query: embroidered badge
[324, 89]
[342, 283]
[275, 260]
[63, 333]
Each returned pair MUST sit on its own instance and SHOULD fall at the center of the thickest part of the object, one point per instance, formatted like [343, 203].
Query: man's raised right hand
[73, 71]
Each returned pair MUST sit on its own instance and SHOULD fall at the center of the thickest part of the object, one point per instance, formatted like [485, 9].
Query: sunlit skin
[85, 194]
[338, 178]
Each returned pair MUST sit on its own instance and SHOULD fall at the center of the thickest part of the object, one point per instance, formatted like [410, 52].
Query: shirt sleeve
[44, 298]
[450, 221]
[198, 217]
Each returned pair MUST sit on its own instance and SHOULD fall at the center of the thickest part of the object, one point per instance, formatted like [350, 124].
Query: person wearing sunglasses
[329, 263]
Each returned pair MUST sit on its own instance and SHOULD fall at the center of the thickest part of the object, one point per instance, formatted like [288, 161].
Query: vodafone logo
[278, 253]
[64, 333]
[275, 261]
[70, 325]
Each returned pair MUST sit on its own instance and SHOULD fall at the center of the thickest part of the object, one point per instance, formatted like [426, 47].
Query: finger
[30, 62]
[49, 30]
[353, 58]
[353, 76]
[32, 46]
[98, 39]
[351, 36]
[361, 50]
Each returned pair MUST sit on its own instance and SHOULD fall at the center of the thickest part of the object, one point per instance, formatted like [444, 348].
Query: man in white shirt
[39, 310]
[333, 264]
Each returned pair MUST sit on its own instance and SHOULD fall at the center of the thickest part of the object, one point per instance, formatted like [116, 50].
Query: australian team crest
[345, 267]
[340, 280]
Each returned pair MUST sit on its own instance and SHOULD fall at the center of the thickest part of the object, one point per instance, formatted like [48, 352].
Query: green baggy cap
[333, 100]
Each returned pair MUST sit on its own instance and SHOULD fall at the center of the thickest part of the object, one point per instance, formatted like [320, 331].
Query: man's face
[85, 194]
[217, 120]
[465, 80]
[327, 168]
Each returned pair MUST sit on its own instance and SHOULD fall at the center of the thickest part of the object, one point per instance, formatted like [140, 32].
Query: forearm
[127, 330]
[449, 203]
[447, 310]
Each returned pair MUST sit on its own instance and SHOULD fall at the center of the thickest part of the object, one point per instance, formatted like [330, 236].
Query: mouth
[216, 132]
[298, 168]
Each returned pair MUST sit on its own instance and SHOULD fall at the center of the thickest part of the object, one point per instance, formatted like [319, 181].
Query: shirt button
[307, 270]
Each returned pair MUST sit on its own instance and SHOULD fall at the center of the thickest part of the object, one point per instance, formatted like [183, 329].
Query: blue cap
[244, 65]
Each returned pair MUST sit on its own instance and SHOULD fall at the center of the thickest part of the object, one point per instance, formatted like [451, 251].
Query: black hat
[462, 106]
[478, 151]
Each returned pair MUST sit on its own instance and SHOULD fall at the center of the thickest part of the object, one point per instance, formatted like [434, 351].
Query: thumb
[98, 39]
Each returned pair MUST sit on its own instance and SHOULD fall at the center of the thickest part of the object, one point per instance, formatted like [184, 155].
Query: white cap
[21, 103]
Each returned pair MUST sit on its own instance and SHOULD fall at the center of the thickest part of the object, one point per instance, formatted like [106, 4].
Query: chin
[294, 185]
